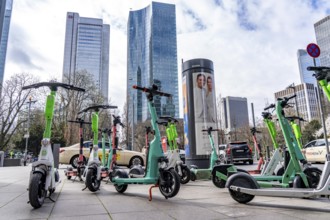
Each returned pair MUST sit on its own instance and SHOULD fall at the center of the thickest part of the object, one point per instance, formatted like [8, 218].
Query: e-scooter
[277, 169]
[197, 174]
[112, 155]
[157, 171]
[44, 176]
[93, 174]
[78, 172]
[243, 187]
[173, 154]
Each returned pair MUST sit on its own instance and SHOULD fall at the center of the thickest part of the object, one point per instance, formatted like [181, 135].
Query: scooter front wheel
[170, 183]
[37, 192]
[91, 180]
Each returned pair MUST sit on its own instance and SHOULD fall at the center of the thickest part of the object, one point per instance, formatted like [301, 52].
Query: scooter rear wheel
[121, 188]
[91, 180]
[241, 180]
[37, 192]
[170, 183]
[185, 178]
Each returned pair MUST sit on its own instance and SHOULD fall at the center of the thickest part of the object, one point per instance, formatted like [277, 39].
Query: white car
[315, 151]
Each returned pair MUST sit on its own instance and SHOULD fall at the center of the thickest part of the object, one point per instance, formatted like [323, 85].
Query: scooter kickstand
[150, 192]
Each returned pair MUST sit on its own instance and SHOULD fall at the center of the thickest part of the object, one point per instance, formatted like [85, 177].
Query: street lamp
[27, 135]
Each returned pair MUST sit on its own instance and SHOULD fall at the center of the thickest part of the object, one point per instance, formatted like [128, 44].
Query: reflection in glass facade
[87, 49]
[322, 32]
[152, 59]
[5, 15]
[304, 60]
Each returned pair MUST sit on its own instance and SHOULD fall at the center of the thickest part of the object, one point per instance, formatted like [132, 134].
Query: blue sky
[253, 43]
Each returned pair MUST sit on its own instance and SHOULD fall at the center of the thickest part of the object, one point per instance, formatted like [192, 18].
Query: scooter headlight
[45, 142]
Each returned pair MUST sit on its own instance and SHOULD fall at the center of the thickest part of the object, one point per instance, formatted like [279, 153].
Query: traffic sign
[313, 50]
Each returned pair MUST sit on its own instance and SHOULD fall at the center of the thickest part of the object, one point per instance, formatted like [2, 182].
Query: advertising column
[199, 108]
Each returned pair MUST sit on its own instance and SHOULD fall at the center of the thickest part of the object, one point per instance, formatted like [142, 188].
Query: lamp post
[292, 86]
[133, 122]
[27, 135]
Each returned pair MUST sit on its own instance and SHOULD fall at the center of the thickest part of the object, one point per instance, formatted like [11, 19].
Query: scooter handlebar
[210, 129]
[97, 108]
[269, 107]
[117, 120]
[153, 90]
[53, 86]
[318, 68]
[168, 118]
[80, 122]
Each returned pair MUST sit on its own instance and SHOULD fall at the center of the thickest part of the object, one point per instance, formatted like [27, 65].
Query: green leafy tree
[308, 133]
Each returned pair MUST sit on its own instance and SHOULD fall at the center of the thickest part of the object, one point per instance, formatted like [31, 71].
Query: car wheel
[250, 162]
[74, 161]
[136, 160]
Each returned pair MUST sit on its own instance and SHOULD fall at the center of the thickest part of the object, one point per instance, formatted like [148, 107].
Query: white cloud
[254, 50]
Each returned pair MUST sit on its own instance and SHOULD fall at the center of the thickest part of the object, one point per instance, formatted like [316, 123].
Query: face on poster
[205, 111]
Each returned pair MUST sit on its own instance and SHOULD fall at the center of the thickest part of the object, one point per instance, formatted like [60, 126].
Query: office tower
[152, 59]
[322, 33]
[306, 98]
[86, 48]
[304, 60]
[5, 15]
[235, 113]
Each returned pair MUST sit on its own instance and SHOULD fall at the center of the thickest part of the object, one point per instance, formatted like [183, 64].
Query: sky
[252, 43]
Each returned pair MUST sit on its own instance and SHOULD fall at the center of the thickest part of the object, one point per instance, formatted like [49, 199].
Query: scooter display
[173, 154]
[44, 176]
[80, 164]
[94, 166]
[157, 170]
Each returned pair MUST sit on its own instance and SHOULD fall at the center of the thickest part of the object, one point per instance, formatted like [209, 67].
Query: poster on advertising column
[204, 111]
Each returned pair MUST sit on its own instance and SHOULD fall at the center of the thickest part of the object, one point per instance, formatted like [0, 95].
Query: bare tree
[71, 102]
[11, 103]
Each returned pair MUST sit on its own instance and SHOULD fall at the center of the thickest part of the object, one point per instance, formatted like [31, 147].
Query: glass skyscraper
[5, 15]
[322, 32]
[304, 60]
[87, 49]
[152, 59]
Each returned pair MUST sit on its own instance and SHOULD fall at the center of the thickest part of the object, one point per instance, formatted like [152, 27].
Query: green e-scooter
[244, 188]
[94, 166]
[44, 176]
[173, 153]
[158, 172]
[198, 174]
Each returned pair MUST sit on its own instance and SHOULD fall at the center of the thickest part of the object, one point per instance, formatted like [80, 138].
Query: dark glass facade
[5, 15]
[152, 59]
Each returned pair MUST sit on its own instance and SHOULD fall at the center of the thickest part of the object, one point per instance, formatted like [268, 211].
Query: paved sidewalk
[196, 200]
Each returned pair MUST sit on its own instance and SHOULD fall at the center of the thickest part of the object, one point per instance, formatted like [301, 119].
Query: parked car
[238, 152]
[70, 155]
[315, 151]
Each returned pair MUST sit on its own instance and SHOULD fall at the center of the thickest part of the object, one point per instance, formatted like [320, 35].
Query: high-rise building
[322, 33]
[86, 48]
[304, 61]
[5, 15]
[152, 59]
[306, 99]
[234, 113]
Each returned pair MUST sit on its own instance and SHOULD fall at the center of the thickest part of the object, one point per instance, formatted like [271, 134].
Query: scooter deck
[146, 180]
